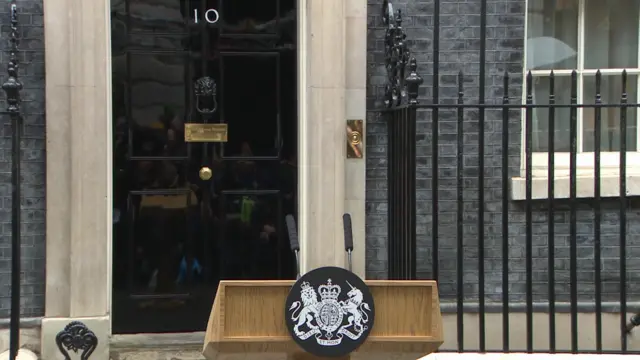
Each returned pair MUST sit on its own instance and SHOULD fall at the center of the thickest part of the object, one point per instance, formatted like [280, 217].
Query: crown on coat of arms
[329, 291]
[307, 289]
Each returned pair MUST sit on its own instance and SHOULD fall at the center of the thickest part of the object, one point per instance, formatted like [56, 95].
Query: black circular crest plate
[329, 312]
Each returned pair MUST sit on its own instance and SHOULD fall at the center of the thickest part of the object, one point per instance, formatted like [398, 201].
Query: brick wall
[31, 59]
[460, 45]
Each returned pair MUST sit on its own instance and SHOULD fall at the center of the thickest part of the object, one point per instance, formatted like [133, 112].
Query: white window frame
[585, 165]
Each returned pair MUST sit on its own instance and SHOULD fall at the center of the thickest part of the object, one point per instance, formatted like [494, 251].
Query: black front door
[188, 214]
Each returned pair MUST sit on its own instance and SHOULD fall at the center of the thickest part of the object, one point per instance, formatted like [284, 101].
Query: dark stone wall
[31, 58]
[460, 51]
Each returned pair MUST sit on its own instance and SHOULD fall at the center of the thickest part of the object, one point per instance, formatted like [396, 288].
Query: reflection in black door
[177, 234]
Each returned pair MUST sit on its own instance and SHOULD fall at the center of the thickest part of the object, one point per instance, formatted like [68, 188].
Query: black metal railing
[401, 95]
[553, 207]
[402, 193]
[473, 189]
[12, 87]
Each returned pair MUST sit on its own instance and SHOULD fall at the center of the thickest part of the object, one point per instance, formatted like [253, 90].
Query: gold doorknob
[205, 173]
[355, 138]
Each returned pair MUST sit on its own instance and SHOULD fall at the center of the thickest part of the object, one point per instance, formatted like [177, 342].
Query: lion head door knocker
[75, 337]
[205, 90]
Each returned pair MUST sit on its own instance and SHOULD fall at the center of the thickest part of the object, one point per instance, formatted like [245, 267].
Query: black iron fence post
[401, 100]
[12, 89]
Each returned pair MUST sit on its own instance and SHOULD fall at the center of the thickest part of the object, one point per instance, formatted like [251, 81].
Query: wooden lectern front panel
[402, 310]
[255, 311]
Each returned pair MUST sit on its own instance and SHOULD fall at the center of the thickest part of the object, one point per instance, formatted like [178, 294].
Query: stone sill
[449, 306]
[609, 187]
[148, 341]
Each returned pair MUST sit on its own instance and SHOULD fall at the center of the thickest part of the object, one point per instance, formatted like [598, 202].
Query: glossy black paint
[76, 337]
[177, 235]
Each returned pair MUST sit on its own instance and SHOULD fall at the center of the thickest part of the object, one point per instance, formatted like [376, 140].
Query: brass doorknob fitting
[205, 173]
[355, 138]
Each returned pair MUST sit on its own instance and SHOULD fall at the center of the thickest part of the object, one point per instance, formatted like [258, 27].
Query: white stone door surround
[332, 88]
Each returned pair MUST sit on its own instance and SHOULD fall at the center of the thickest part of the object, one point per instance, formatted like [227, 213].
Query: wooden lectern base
[313, 357]
[248, 318]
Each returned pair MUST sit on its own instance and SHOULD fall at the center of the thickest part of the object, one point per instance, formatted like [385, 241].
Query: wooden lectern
[248, 317]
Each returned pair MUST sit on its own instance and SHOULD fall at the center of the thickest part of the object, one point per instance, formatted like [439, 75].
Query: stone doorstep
[172, 346]
[159, 354]
[137, 341]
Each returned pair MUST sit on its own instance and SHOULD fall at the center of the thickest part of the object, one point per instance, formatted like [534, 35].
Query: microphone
[293, 241]
[348, 237]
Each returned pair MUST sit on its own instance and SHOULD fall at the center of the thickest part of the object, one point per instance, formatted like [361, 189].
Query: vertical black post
[550, 214]
[413, 81]
[528, 208]
[481, 117]
[505, 214]
[401, 99]
[597, 211]
[573, 251]
[12, 89]
[401, 186]
[623, 209]
[460, 213]
[392, 124]
[390, 101]
[435, 260]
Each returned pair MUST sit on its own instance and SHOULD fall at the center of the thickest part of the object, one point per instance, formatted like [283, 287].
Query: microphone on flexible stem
[348, 237]
[293, 241]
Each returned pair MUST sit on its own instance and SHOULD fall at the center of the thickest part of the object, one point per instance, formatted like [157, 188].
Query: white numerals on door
[211, 16]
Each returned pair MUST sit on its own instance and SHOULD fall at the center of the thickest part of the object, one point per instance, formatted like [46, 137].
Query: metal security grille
[474, 112]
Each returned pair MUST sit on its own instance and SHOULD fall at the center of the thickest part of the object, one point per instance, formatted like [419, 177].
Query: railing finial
[396, 57]
[413, 81]
[13, 85]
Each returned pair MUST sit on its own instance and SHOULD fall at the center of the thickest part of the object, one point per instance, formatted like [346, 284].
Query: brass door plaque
[355, 132]
[205, 132]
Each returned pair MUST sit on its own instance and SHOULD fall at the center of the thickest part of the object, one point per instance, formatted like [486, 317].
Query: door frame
[79, 152]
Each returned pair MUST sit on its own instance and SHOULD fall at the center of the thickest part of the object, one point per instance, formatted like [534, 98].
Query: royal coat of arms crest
[329, 319]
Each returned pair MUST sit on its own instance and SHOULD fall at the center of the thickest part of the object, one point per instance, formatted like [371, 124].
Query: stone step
[176, 346]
